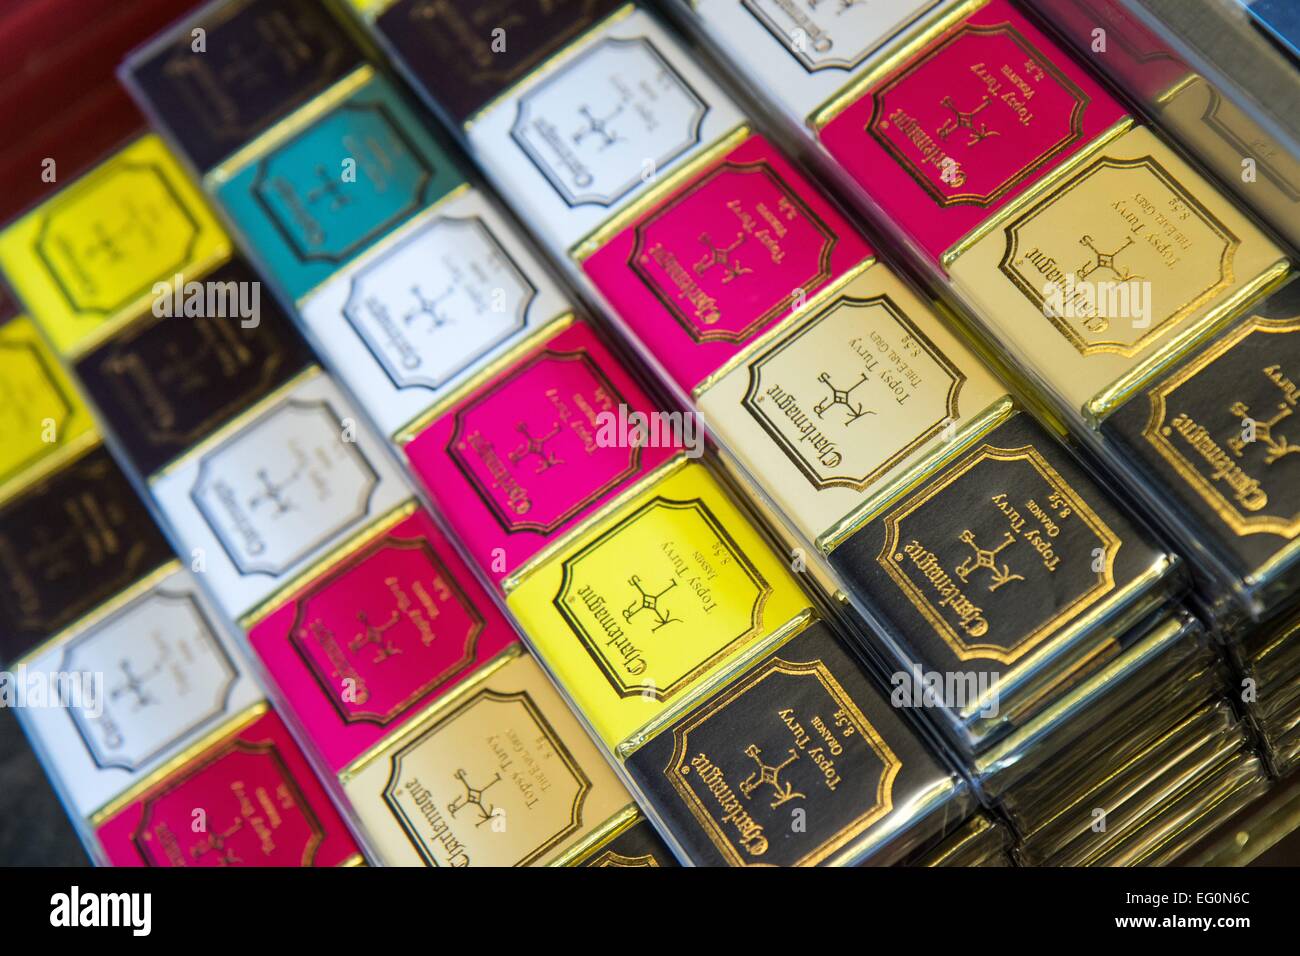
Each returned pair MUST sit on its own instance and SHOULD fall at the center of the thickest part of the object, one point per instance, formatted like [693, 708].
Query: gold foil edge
[228, 728]
[975, 428]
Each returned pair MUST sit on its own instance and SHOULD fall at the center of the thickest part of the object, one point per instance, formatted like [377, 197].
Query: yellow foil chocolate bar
[643, 607]
[97, 254]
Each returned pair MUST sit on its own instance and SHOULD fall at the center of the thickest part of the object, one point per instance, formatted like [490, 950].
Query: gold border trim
[237, 423]
[1099, 407]
[975, 428]
[540, 558]
[884, 802]
[1209, 494]
[348, 549]
[549, 64]
[593, 841]
[511, 356]
[228, 728]
[432, 713]
[921, 35]
[586, 247]
[723, 678]
[973, 651]
[288, 127]
[1018, 204]
[99, 613]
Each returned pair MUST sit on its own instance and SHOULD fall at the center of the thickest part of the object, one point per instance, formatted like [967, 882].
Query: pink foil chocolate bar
[723, 258]
[535, 449]
[372, 640]
[248, 800]
[967, 124]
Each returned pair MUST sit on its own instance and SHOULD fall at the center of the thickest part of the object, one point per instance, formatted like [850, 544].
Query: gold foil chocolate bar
[865, 386]
[498, 773]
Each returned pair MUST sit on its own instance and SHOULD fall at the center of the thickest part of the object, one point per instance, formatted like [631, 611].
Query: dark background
[34, 830]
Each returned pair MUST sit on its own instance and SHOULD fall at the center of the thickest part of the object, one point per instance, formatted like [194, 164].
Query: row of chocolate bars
[621, 536]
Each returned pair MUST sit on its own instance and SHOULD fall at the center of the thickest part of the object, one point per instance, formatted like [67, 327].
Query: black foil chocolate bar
[799, 761]
[166, 382]
[226, 74]
[637, 846]
[67, 544]
[1007, 563]
[1218, 436]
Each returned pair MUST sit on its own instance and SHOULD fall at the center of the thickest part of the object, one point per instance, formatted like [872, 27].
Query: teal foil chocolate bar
[333, 179]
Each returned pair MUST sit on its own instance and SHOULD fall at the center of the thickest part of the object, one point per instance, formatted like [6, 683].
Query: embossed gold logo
[642, 629]
[650, 602]
[716, 255]
[769, 775]
[1023, 564]
[1240, 466]
[841, 396]
[373, 635]
[1143, 227]
[809, 743]
[1275, 446]
[985, 559]
[976, 131]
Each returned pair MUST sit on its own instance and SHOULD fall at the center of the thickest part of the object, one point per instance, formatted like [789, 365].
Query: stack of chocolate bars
[1077, 248]
[557, 474]
[500, 399]
[134, 690]
[1207, 446]
[851, 408]
[1271, 661]
[301, 529]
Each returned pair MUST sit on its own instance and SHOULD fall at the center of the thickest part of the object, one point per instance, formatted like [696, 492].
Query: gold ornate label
[610, 858]
[998, 553]
[1226, 424]
[642, 596]
[977, 114]
[787, 737]
[1118, 255]
[491, 784]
